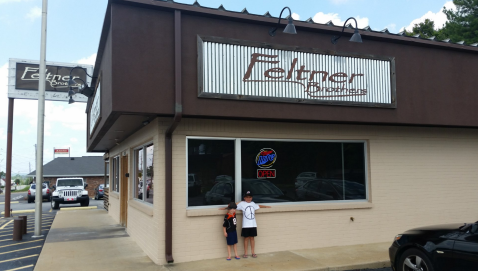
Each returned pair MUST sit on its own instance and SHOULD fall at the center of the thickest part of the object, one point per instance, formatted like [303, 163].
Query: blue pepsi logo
[266, 158]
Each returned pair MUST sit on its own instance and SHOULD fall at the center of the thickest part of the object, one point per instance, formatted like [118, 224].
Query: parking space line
[9, 260]
[21, 211]
[19, 250]
[22, 243]
[46, 226]
[2, 227]
[20, 268]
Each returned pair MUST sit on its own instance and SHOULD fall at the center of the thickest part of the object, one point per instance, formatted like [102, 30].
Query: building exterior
[349, 143]
[90, 168]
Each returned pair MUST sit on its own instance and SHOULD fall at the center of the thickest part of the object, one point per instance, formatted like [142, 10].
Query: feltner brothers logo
[265, 159]
[311, 81]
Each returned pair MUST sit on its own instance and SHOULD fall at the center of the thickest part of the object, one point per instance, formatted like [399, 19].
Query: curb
[21, 211]
[79, 208]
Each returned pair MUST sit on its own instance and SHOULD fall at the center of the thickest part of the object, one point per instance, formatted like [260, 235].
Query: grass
[21, 190]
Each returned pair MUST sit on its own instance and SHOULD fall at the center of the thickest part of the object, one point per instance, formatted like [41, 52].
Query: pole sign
[24, 74]
[62, 151]
[255, 71]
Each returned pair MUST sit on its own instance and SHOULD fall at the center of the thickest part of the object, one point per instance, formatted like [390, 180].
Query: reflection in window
[305, 171]
[115, 185]
[210, 172]
[143, 173]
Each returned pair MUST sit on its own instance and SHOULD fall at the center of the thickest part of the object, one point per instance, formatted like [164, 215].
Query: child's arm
[264, 206]
[224, 229]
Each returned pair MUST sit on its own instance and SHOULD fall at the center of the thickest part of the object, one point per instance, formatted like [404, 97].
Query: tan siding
[418, 176]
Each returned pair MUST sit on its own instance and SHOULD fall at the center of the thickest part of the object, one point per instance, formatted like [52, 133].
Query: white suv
[69, 191]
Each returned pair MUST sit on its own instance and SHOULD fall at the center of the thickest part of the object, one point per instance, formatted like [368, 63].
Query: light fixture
[289, 29]
[355, 37]
[82, 89]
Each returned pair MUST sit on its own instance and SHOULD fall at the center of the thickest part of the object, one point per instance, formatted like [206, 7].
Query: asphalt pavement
[23, 255]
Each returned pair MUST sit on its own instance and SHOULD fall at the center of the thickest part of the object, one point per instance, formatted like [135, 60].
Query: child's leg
[235, 250]
[229, 251]
[245, 245]
[252, 245]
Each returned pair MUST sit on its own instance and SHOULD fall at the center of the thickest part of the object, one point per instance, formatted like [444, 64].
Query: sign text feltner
[311, 80]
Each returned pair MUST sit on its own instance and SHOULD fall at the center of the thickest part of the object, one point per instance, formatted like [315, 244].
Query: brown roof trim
[261, 19]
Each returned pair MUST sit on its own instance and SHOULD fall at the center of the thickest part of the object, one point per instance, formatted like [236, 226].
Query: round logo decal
[266, 158]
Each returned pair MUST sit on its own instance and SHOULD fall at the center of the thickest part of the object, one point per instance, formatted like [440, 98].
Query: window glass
[211, 169]
[138, 180]
[143, 181]
[149, 187]
[116, 174]
[287, 171]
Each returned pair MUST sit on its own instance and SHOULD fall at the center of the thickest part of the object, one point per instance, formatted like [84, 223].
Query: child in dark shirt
[229, 228]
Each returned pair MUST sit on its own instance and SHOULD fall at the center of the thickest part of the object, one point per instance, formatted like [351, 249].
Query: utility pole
[40, 124]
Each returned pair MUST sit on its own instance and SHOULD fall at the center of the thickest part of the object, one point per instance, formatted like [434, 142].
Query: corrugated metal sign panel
[237, 71]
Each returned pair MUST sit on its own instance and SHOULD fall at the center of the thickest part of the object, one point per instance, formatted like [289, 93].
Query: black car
[436, 248]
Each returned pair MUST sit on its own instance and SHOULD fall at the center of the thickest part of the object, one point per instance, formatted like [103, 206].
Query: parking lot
[23, 255]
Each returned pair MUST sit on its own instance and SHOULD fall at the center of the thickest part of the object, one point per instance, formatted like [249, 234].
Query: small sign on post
[61, 151]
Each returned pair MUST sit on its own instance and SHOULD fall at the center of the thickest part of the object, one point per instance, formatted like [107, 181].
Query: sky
[73, 35]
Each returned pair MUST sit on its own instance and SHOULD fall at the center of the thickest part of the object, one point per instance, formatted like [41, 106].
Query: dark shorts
[249, 232]
[231, 238]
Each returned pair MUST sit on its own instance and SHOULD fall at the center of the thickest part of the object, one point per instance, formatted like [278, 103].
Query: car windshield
[70, 182]
[34, 186]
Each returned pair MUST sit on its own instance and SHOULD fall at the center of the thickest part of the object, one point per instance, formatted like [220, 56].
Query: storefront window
[288, 171]
[211, 172]
[275, 171]
[116, 174]
[143, 188]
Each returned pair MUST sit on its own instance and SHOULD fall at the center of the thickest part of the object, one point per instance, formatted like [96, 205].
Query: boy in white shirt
[249, 225]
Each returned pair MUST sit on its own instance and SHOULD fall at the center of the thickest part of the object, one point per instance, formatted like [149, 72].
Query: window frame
[135, 168]
[238, 168]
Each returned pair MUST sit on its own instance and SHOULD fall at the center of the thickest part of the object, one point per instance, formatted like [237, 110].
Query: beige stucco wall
[417, 176]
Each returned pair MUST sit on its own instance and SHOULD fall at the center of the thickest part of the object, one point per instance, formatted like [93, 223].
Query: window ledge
[148, 210]
[288, 208]
[114, 195]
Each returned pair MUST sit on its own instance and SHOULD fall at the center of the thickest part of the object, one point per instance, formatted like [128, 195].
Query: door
[124, 191]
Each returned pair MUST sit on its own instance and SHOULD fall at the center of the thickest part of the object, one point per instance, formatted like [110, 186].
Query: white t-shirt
[248, 214]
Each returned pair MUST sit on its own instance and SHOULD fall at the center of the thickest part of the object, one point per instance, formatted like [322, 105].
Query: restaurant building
[349, 143]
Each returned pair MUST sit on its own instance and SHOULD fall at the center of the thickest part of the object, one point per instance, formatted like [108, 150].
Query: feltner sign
[244, 70]
[24, 76]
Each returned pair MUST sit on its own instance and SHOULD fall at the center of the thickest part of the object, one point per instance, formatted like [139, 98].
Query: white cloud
[295, 16]
[439, 17]
[90, 60]
[34, 13]
[336, 20]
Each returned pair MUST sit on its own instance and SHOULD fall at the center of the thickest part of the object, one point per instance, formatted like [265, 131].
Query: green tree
[426, 30]
[463, 23]
[17, 181]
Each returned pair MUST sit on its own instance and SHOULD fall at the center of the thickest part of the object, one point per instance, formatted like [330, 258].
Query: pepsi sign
[266, 158]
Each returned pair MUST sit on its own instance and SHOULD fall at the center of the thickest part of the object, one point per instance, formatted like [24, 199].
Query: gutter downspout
[178, 113]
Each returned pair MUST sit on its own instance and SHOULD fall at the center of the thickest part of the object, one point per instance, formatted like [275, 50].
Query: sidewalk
[91, 240]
